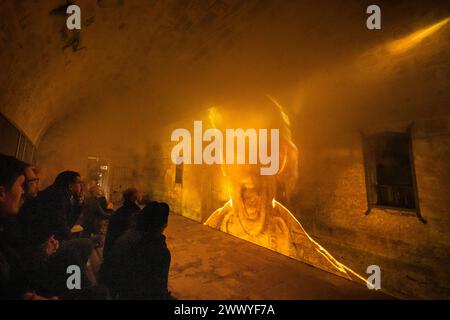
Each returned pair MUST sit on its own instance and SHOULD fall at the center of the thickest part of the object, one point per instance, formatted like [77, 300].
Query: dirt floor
[209, 264]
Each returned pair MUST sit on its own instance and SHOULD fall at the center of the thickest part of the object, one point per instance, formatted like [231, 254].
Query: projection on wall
[255, 210]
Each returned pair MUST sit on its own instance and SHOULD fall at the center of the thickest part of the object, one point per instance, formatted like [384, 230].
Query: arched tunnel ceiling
[162, 59]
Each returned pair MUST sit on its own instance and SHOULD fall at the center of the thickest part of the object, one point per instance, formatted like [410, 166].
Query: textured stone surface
[208, 264]
[136, 54]
[142, 66]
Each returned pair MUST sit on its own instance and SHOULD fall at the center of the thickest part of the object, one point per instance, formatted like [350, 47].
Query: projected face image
[248, 194]
[250, 214]
[254, 214]
[252, 202]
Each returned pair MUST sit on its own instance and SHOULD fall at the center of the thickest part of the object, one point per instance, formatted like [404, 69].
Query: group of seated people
[42, 233]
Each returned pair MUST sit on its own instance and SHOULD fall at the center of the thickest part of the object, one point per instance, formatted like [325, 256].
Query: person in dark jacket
[122, 218]
[53, 215]
[15, 227]
[138, 264]
[15, 282]
[58, 207]
[94, 211]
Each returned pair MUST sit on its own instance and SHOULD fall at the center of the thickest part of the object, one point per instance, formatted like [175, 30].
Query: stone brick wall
[331, 203]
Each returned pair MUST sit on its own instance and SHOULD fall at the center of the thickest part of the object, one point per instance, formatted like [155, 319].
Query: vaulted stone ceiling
[160, 60]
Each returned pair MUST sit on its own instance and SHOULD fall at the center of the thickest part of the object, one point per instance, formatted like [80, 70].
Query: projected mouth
[251, 203]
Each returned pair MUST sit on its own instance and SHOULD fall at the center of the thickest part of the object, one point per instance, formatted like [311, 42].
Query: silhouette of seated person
[15, 280]
[15, 227]
[138, 264]
[93, 211]
[121, 220]
[94, 215]
[49, 221]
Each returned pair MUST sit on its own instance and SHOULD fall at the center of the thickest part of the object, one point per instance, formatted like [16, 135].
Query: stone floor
[209, 264]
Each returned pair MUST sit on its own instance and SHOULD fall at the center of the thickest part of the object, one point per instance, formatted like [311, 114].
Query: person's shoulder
[129, 238]
[50, 194]
[126, 244]
[134, 207]
[121, 210]
[153, 246]
[90, 200]
[28, 204]
[43, 193]
[115, 214]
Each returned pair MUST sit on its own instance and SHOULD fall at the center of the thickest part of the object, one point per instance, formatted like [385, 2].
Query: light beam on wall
[406, 43]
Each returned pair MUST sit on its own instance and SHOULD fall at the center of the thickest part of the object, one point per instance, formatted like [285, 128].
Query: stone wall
[336, 95]
[413, 256]
[331, 203]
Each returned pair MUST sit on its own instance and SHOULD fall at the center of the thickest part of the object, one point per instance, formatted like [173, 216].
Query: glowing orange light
[256, 216]
[341, 267]
[408, 42]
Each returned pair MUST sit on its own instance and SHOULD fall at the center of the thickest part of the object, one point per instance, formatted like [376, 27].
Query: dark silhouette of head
[154, 217]
[10, 170]
[11, 184]
[130, 195]
[68, 180]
